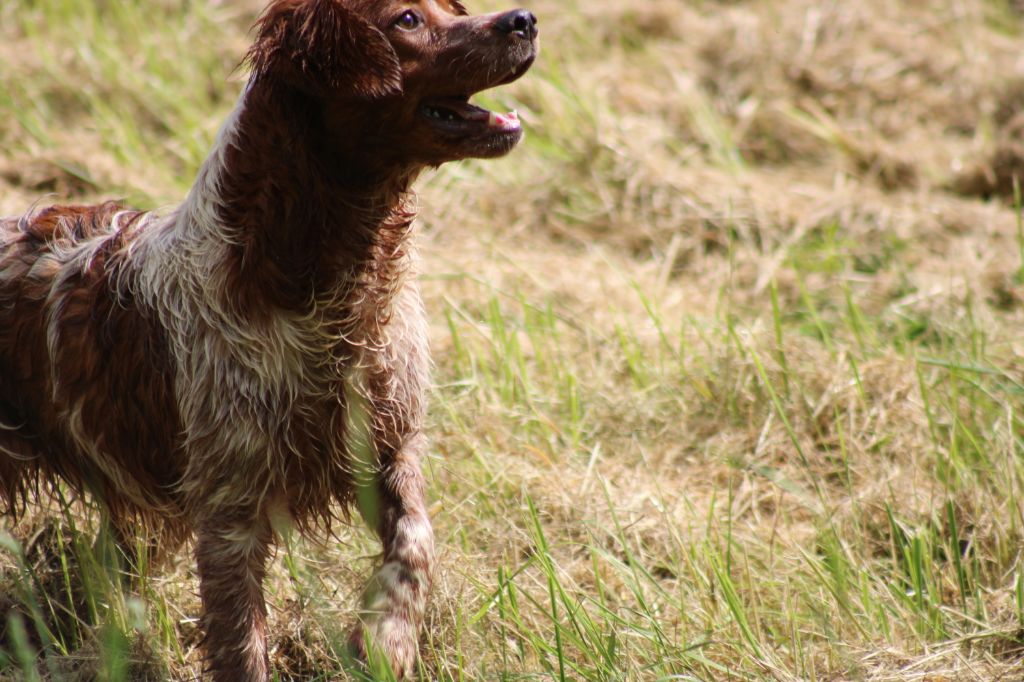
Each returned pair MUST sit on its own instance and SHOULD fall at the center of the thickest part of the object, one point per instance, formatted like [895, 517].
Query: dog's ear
[322, 47]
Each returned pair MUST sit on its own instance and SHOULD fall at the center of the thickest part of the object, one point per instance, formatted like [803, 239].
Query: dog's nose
[518, 21]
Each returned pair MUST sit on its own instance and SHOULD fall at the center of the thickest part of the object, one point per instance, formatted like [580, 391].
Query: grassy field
[729, 357]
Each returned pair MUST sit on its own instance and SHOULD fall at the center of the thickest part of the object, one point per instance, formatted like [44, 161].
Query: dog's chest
[268, 381]
[288, 381]
[264, 390]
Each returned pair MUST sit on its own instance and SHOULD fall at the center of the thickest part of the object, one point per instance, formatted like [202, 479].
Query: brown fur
[259, 353]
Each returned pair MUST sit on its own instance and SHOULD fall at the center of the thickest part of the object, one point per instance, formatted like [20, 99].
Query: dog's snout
[520, 22]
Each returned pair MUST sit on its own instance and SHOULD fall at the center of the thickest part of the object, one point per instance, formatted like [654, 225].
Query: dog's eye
[408, 21]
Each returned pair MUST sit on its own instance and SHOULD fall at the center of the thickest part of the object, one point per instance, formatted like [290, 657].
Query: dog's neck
[302, 218]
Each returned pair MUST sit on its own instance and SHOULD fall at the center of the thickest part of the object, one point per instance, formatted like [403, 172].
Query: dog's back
[85, 383]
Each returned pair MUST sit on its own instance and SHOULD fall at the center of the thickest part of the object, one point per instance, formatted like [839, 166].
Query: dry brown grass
[728, 354]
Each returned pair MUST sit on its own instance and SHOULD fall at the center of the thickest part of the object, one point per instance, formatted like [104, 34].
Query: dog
[258, 355]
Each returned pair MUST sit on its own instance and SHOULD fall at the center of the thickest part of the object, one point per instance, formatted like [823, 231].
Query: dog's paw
[386, 638]
[385, 649]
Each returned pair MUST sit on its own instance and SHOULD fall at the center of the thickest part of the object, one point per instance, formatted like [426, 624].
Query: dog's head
[399, 72]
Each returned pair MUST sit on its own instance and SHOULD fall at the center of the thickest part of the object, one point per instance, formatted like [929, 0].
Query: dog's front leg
[232, 550]
[396, 596]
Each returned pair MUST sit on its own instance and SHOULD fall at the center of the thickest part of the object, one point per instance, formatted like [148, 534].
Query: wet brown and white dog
[259, 354]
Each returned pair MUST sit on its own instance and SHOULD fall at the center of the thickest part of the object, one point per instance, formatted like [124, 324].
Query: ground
[729, 375]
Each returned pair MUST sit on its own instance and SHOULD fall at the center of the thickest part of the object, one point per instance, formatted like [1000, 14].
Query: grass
[728, 374]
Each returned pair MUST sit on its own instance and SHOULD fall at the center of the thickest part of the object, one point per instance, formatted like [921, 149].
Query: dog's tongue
[471, 112]
[509, 121]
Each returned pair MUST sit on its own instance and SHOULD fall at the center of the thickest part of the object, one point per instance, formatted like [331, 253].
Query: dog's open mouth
[466, 130]
[455, 114]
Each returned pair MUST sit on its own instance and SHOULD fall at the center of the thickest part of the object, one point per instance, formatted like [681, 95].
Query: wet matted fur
[258, 355]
